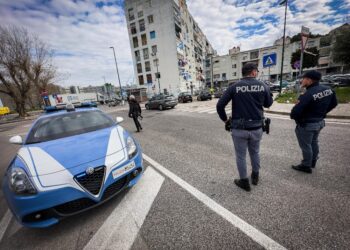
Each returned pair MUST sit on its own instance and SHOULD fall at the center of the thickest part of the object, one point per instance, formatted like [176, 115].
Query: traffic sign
[269, 60]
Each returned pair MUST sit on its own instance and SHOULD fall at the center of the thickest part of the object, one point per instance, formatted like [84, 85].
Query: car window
[68, 124]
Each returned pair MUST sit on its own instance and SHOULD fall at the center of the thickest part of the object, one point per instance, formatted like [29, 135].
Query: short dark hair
[248, 68]
[313, 75]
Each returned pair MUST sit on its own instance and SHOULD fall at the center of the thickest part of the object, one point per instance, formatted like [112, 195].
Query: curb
[19, 120]
[343, 117]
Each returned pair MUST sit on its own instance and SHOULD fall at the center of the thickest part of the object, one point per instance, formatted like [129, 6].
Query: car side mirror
[119, 119]
[16, 140]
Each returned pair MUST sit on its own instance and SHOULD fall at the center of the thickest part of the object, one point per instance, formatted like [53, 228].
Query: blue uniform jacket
[248, 96]
[313, 106]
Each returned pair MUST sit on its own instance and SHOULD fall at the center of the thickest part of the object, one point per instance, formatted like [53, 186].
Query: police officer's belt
[247, 124]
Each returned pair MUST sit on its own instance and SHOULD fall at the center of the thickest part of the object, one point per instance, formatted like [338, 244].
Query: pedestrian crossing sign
[269, 60]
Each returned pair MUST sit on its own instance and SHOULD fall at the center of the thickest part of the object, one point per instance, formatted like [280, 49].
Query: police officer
[135, 111]
[248, 96]
[309, 114]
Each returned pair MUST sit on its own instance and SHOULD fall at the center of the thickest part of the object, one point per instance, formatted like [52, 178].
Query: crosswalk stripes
[200, 110]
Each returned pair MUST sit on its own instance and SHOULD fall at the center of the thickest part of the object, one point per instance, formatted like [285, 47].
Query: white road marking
[237, 222]
[5, 221]
[120, 229]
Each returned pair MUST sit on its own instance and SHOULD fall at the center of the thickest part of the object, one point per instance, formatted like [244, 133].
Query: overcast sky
[81, 32]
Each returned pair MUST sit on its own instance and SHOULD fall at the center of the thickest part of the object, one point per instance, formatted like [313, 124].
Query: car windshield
[68, 124]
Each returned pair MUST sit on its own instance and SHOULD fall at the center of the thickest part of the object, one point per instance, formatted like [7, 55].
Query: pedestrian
[248, 97]
[135, 112]
[309, 113]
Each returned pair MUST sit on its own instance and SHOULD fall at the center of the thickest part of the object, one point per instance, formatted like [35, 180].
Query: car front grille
[92, 182]
[115, 188]
[72, 207]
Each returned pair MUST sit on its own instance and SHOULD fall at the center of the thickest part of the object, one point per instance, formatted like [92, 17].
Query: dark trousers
[137, 123]
[307, 136]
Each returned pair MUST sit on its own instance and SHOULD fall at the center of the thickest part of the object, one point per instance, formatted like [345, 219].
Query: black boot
[313, 164]
[243, 183]
[303, 168]
[255, 178]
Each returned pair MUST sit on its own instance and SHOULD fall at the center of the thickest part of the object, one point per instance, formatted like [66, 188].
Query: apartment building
[228, 68]
[168, 47]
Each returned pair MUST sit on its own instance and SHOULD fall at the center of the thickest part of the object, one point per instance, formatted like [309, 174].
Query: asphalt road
[296, 210]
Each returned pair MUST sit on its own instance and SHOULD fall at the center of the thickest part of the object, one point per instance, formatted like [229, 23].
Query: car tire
[147, 107]
[160, 107]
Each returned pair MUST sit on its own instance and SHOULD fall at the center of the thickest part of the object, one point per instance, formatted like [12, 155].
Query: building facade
[228, 68]
[168, 47]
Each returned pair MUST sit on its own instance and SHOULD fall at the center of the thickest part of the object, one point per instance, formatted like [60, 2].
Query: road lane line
[120, 229]
[237, 222]
[5, 221]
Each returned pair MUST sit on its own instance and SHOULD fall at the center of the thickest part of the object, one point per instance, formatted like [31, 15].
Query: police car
[71, 160]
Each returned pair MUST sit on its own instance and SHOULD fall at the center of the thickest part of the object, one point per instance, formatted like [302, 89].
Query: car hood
[74, 151]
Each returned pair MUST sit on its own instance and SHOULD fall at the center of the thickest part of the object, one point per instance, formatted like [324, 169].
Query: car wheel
[147, 107]
[160, 107]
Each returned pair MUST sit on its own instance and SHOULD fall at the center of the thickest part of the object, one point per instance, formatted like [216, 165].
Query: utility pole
[116, 66]
[284, 38]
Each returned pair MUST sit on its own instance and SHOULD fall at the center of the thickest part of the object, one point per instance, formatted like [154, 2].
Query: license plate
[120, 171]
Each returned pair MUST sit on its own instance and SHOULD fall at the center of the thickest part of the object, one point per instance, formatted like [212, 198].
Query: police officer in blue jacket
[309, 114]
[248, 96]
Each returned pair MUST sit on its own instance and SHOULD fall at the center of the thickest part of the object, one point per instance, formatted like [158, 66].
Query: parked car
[184, 97]
[114, 102]
[275, 86]
[218, 93]
[161, 102]
[71, 160]
[203, 96]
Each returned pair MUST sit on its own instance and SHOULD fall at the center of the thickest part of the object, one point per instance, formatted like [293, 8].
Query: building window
[141, 81]
[149, 78]
[155, 62]
[142, 25]
[133, 28]
[140, 13]
[234, 73]
[245, 58]
[145, 53]
[223, 76]
[154, 49]
[152, 34]
[150, 19]
[234, 66]
[137, 56]
[254, 55]
[135, 42]
[144, 39]
[147, 66]
[139, 68]
[131, 14]
[216, 76]
[149, 3]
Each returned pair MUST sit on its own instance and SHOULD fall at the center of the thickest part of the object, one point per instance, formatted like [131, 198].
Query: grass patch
[343, 94]
[287, 97]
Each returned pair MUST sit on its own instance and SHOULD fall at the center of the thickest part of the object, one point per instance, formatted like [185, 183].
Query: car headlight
[19, 181]
[131, 146]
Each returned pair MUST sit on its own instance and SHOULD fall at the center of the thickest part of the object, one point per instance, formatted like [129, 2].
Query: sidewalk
[342, 111]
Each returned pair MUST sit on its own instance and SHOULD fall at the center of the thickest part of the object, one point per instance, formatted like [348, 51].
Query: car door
[151, 102]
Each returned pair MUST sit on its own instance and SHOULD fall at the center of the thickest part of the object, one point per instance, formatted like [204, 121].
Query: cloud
[80, 33]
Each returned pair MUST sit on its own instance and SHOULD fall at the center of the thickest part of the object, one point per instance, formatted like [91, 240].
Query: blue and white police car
[71, 160]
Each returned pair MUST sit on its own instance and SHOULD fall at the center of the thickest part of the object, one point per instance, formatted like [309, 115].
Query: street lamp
[116, 66]
[284, 38]
[154, 54]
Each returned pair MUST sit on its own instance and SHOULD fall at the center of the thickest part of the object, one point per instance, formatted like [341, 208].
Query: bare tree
[25, 63]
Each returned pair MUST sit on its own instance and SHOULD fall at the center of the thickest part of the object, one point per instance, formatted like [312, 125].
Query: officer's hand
[228, 125]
